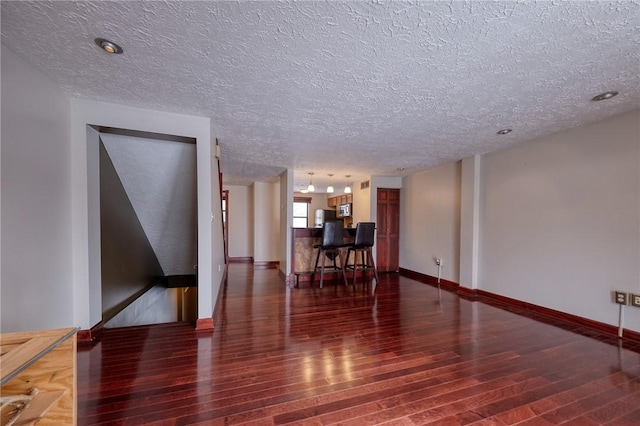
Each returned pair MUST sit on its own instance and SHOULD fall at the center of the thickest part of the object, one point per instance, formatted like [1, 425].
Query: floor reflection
[390, 351]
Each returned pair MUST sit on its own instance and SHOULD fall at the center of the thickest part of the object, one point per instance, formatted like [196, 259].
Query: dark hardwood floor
[401, 355]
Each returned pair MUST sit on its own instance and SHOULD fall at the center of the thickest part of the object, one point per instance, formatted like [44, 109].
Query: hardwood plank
[398, 352]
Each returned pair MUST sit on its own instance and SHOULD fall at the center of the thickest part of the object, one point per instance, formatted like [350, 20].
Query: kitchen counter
[304, 255]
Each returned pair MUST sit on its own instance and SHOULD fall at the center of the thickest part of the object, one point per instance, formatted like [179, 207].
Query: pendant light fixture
[330, 187]
[347, 189]
[311, 188]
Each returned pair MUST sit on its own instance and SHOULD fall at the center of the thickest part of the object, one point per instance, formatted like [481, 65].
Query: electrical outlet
[620, 297]
[635, 299]
[438, 261]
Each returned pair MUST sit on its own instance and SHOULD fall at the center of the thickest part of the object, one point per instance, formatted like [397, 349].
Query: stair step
[171, 281]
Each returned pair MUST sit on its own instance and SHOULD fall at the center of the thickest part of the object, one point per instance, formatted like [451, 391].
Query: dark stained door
[388, 230]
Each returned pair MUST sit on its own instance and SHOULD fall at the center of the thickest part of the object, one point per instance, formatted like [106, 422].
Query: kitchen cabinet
[339, 199]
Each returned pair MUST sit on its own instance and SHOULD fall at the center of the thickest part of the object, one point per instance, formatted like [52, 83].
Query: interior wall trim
[428, 279]
[92, 335]
[486, 296]
[521, 307]
[204, 324]
[274, 264]
[247, 259]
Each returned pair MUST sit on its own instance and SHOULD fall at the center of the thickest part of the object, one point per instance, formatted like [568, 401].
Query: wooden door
[388, 230]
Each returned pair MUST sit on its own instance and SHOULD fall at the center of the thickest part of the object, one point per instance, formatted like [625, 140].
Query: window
[300, 215]
[301, 212]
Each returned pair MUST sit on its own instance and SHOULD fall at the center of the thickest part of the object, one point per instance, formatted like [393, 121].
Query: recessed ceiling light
[400, 169]
[605, 96]
[504, 131]
[108, 46]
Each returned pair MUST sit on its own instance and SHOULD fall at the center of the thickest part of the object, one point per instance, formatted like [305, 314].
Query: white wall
[361, 204]
[469, 220]
[211, 198]
[286, 221]
[36, 200]
[560, 219]
[557, 221]
[240, 220]
[274, 238]
[266, 222]
[85, 207]
[430, 221]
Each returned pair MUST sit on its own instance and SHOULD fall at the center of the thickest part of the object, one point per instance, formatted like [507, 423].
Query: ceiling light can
[108, 46]
[504, 131]
[604, 96]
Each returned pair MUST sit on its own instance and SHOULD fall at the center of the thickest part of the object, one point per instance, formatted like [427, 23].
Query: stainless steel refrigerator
[322, 216]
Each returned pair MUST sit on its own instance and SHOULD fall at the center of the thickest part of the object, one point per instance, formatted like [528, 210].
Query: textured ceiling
[344, 87]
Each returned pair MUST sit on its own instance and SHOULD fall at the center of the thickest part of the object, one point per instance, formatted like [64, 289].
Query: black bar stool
[363, 243]
[332, 242]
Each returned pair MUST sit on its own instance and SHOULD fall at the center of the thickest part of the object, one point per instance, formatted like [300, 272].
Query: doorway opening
[148, 228]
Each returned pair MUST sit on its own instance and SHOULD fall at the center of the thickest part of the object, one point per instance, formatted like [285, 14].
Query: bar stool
[332, 242]
[363, 243]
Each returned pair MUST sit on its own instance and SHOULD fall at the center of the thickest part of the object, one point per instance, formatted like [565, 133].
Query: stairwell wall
[85, 204]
